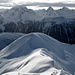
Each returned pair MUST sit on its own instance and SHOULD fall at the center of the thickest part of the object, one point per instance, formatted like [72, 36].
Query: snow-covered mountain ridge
[59, 28]
[7, 38]
[56, 23]
[22, 13]
[50, 12]
[37, 53]
[19, 13]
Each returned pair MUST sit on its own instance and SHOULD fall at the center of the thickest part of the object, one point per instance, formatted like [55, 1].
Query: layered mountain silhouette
[59, 24]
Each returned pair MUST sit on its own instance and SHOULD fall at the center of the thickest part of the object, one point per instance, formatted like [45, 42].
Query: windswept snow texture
[37, 54]
[7, 38]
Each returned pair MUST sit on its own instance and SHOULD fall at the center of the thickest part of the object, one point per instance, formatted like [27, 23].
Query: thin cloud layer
[50, 4]
[39, 3]
[5, 1]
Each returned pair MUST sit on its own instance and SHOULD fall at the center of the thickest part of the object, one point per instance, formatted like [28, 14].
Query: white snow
[22, 14]
[37, 54]
[64, 12]
[19, 13]
[7, 38]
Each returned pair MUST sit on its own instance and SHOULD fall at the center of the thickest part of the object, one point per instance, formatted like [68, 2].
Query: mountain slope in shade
[59, 24]
[7, 38]
[37, 53]
[59, 28]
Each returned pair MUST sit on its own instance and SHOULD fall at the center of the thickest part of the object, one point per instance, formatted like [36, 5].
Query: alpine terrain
[37, 42]
[55, 23]
[37, 54]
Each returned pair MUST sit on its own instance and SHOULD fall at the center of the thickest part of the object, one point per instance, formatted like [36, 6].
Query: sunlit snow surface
[37, 54]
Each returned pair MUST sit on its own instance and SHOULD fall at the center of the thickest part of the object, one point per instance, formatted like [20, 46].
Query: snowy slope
[3, 10]
[37, 63]
[66, 12]
[19, 13]
[51, 12]
[55, 23]
[37, 53]
[41, 13]
[22, 14]
[63, 12]
[7, 38]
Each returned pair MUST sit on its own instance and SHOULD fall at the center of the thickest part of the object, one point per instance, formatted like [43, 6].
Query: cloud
[6, 4]
[50, 4]
[38, 3]
[5, 1]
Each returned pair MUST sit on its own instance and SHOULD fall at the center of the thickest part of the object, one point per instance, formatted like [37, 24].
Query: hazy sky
[38, 4]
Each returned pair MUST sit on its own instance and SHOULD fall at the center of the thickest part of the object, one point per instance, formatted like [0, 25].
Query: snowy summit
[39, 54]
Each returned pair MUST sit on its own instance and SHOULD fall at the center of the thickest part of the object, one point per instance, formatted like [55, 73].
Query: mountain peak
[18, 7]
[24, 51]
[65, 8]
[50, 9]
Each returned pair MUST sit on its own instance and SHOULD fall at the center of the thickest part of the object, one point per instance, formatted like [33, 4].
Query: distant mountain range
[36, 53]
[60, 24]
